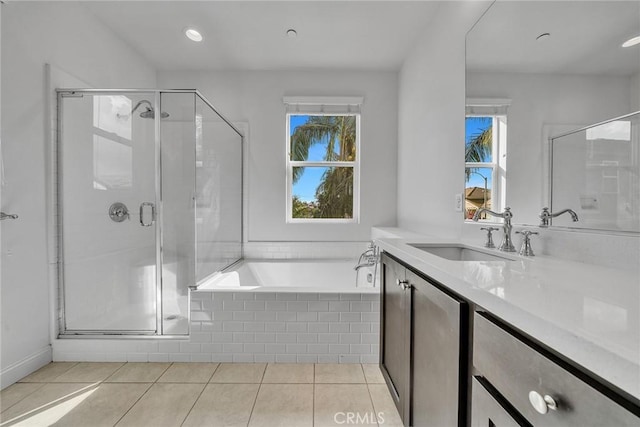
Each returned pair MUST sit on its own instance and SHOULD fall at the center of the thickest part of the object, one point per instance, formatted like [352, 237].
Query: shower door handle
[153, 214]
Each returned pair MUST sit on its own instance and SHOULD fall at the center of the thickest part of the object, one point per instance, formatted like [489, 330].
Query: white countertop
[588, 314]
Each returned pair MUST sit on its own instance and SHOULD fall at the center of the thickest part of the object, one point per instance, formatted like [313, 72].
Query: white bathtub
[319, 276]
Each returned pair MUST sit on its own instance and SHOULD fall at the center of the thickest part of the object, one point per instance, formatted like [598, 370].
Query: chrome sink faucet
[507, 244]
[545, 216]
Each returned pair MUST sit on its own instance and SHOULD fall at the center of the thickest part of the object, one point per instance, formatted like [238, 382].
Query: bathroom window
[485, 160]
[323, 160]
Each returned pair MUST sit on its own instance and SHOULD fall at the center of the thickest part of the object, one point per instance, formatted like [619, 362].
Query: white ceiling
[585, 38]
[251, 35]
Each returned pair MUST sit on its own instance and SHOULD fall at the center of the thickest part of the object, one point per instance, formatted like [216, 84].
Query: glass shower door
[107, 172]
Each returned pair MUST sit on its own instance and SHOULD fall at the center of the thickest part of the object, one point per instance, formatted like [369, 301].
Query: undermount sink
[455, 252]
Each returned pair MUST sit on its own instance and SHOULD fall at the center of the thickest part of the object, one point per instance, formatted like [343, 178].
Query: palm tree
[335, 192]
[478, 148]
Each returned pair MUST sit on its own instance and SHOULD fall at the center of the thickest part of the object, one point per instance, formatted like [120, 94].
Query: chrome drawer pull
[404, 284]
[542, 404]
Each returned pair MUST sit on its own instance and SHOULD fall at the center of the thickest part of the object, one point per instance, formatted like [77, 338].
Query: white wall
[256, 97]
[431, 112]
[538, 100]
[73, 41]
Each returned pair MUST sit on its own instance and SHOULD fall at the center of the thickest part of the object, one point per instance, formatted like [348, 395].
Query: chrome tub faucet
[507, 244]
[545, 216]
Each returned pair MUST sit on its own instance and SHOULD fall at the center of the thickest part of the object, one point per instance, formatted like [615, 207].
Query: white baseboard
[24, 367]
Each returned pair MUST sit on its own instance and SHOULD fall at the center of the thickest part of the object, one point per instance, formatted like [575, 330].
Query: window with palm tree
[322, 167]
[485, 142]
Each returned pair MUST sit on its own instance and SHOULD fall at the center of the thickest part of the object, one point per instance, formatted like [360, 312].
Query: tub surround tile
[339, 373]
[283, 405]
[163, 405]
[372, 374]
[239, 373]
[383, 405]
[332, 403]
[245, 322]
[223, 405]
[89, 372]
[188, 373]
[48, 372]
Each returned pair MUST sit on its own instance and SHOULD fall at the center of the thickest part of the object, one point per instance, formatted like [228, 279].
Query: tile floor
[199, 394]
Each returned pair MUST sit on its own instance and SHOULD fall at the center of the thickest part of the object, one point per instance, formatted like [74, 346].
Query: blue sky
[474, 127]
[306, 186]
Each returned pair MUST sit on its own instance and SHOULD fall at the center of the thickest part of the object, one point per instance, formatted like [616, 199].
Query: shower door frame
[62, 332]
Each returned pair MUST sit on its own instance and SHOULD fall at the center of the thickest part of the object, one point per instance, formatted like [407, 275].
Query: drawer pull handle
[542, 404]
[404, 284]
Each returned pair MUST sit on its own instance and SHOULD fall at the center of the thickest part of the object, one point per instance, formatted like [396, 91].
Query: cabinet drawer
[515, 369]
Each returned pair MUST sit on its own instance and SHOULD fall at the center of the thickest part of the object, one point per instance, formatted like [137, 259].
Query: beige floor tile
[239, 373]
[88, 372]
[48, 372]
[138, 373]
[343, 404]
[15, 393]
[188, 373]
[339, 373]
[163, 405]
[47, 404]
[384, 406]
[226, 405]
[288, 373]
[104, 405]
[283, 405]
[372, 374]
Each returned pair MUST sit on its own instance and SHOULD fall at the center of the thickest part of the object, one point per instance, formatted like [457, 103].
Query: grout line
[313, 398]
[134, 403]
[25, 396]
[163, 372]
[257, 394]
[213, 372]
[204, 386]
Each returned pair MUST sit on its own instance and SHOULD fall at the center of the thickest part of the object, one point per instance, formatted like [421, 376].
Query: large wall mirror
[551, 68]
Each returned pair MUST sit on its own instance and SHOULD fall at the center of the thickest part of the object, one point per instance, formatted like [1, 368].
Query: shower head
[149, 113]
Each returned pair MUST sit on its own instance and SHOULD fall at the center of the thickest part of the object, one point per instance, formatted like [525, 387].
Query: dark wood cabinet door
[437, 382]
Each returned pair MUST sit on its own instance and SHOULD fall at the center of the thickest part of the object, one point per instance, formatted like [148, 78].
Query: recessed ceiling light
[292, 33]
[631, 42]
[543, 36]
[193, 34]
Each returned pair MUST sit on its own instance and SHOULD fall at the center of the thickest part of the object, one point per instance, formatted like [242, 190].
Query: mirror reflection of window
[112, 114]
[485, 150]
[112, 145]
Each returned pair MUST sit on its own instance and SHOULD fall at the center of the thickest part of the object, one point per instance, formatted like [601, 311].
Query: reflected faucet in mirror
[507, 244]
[545, 216]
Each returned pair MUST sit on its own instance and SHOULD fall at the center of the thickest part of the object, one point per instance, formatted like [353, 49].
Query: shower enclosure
[149, 202]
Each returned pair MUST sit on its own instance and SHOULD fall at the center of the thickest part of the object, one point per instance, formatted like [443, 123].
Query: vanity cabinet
[487, 411]
[542, 391]
[423, 351]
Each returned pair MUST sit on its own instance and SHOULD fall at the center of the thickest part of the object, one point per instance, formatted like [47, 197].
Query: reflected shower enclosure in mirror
[577, 75]
[597, 171]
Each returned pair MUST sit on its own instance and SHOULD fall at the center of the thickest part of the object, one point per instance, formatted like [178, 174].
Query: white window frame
[291, 164]
[497, 165]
